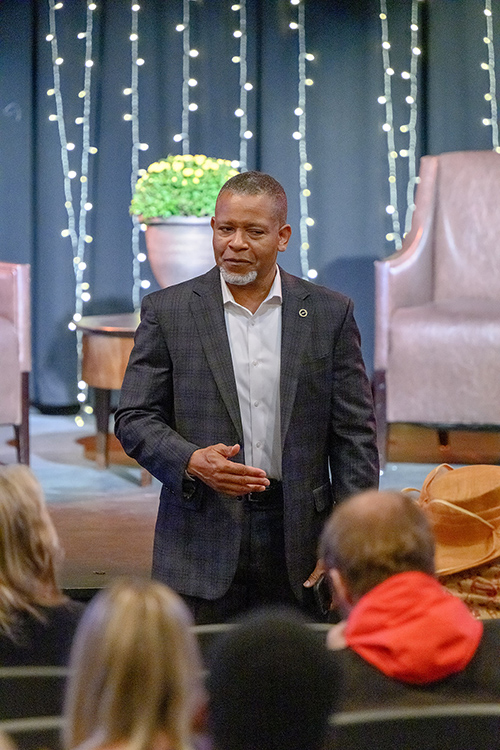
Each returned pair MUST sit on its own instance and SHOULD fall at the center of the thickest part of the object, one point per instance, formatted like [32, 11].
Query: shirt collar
[274, 292]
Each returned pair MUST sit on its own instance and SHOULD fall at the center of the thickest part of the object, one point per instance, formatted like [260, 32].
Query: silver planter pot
[179, 248]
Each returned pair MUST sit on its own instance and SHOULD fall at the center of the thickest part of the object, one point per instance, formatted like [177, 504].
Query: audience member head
[259, 183]
[272, 685]
[372, 536]
[29, 548]
[136, 674]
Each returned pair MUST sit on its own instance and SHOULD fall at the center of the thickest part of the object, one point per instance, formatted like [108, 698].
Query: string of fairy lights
[410, 127]
[188, 82]
[388, 127]
[491, 95]
[77, 211]
[244, 85]
[133, 117]
[77, 232]
[299, 134]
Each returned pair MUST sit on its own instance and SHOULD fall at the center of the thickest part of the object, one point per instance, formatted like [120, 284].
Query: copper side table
[106, 345]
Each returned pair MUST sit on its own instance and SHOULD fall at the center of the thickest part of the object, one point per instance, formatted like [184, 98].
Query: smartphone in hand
[323, 594]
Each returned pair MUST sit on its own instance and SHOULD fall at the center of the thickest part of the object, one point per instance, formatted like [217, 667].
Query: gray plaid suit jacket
[179, 394]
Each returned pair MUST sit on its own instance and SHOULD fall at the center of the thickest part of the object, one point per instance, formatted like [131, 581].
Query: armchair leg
[379, 399]
[22, 431]
[443, 437]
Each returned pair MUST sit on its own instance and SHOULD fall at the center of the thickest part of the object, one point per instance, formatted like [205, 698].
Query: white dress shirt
[255, 342]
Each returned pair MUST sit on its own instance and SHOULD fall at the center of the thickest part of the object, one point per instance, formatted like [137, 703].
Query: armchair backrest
[466, 240]
[15, 306]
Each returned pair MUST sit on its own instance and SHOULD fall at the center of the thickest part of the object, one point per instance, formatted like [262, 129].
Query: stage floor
[105, 518]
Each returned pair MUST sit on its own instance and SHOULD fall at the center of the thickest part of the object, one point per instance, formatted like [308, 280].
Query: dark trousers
[261, 577]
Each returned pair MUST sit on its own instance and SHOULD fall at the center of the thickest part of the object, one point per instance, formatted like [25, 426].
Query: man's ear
[341, 589]
[284, 234]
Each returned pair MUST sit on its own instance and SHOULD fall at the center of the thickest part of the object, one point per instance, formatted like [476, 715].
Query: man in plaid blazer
[246, 396]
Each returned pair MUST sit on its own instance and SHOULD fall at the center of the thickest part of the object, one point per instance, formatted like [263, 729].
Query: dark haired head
[258, 183]
[272, 685]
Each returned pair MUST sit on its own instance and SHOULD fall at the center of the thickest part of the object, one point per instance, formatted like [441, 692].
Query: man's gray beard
[239, 279]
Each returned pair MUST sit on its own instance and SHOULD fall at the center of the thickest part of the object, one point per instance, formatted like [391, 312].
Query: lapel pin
[303, 313]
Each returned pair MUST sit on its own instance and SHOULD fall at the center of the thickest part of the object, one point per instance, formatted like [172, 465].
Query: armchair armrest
[15, 306]
[405, 279]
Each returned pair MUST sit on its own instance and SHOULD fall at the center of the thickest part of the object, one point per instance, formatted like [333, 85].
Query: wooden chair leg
[22, 431]
[444, 438]
[379, 400]
[102, 411]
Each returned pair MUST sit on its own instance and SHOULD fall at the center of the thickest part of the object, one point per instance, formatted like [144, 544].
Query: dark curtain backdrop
[345, 142]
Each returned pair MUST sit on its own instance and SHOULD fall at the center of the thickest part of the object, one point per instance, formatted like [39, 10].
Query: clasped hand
[212, 466]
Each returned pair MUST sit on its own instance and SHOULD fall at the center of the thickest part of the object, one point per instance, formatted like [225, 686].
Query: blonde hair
[135, 670]
[29, 547]
[6, 742]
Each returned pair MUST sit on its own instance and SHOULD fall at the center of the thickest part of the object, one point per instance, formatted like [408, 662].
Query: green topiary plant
[180, 186]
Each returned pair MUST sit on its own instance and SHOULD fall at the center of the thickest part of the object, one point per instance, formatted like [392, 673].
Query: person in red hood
[405, 640]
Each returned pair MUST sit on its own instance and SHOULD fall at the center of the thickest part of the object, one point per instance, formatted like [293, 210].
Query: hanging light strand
[187, 81]
[245, 86]
[300, 136]
[79, 237]
[83, 237]
[388, 127]
[304, 191]
[59, 117]
[137, 147]
[491, 96]
[185, 76]
[412, 124]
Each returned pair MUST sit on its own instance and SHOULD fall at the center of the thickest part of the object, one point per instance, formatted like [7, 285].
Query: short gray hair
[257, 183]
[375, 535]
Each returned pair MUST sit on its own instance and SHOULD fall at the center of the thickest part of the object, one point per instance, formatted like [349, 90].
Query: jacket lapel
[295, 332]
[208, 312]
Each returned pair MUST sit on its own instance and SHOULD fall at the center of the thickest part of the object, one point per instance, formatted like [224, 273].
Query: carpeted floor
[105, 518]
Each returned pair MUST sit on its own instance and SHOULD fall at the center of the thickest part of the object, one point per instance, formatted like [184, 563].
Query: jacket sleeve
[145, 418]
[353, 445]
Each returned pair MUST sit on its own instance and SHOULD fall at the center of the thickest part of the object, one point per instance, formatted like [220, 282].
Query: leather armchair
[15, 348]
[437, 302]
